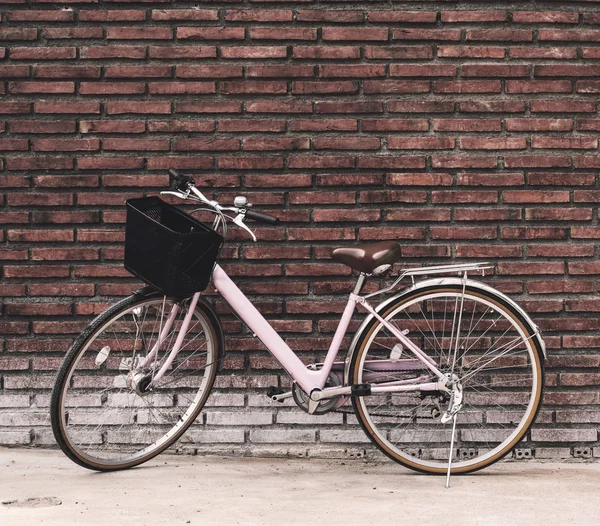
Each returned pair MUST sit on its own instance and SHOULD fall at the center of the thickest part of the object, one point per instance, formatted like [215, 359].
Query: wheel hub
[139, 382]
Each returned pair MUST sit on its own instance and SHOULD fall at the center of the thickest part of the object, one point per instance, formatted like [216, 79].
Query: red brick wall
[463, 130]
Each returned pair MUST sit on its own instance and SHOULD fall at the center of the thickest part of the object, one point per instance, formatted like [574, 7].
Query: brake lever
[181, 195]
[239, 221]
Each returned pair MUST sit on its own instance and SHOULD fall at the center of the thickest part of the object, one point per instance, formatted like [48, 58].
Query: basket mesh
[167, 248]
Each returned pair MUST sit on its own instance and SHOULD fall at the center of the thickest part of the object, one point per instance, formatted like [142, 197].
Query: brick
[65, 145]
[181, 88]
[368, 34]
[280, 71]
[396, 86]
[573, 106]
[172, 52]
[66, 107]
[467, 86]
[67, 72]
[562, 179]
[570, 35]
[399, 106]
[40, 16]
[439, 35]
[309, 87]
[208, 71]
[352, 70]
[494, 70]
[537, 17]
[395, 125]
[314, 15]
[30, 87]
[210, 33]
[555, 53]
[14, 71]
[504, 35]
[417, 17]
[18, 33]
[474, 16]
[491, 179]
[564, 142]
[421, 143]
[126, 15]
[419, 179]
[250, 87]
[73, 33]
[397, 52]
[346, 144]
[185, 14]
[467, 125]
[538, 86]
[106, 52]
[323, 125]
[349, 107]
[143, 107]
[457, 51]
[476, 143]
[12, 108]
[276, 144]
[326, 52]
[121, 72]
[562, 70]
[539, 124]
[267, 33]
[537, 161]
[139, 33]
[42, 53]
[409, 70]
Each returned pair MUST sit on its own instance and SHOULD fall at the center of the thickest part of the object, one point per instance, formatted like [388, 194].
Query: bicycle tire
[382, 443]
[74, 354]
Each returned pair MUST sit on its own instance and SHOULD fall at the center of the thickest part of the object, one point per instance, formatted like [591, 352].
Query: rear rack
[460, 269]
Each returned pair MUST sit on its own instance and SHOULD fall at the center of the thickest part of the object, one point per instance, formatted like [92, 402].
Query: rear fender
[478, 285]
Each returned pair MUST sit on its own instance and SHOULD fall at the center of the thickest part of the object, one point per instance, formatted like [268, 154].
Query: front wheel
[104, 421]
[473, 336]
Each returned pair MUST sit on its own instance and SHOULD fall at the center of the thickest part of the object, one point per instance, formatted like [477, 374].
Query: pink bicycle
[445, 376]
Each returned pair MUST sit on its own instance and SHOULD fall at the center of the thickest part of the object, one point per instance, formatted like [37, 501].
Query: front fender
[438, 282]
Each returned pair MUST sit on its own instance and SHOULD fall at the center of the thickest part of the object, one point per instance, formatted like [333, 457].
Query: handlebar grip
[261, 218]
[176, 179]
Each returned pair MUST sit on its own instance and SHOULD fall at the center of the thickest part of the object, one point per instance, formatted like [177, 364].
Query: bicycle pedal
[273, 392]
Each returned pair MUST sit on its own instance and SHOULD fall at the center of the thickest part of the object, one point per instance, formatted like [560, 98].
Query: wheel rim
[497, 410]
[104, 421]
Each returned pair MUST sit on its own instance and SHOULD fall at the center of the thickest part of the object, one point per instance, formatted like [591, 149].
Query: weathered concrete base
[222, 491]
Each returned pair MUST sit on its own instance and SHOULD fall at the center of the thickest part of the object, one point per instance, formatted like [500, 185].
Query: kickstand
[451, 452]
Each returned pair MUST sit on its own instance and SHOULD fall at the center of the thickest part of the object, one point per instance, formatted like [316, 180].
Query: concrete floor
[225, 491]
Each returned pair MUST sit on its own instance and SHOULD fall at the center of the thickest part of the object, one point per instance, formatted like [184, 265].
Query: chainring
[301, 398]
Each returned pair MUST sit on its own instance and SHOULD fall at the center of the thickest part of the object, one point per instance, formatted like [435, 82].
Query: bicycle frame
[312, 381]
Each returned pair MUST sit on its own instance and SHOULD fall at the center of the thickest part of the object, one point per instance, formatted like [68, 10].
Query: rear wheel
[99, 419]
[495, 357]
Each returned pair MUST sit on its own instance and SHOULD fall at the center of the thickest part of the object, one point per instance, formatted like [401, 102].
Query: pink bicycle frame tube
[306, 378]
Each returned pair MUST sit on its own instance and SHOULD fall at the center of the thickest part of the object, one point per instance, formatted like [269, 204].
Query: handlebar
[182, 185]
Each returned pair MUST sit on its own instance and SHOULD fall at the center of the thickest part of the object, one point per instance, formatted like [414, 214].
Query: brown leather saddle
[366, 258]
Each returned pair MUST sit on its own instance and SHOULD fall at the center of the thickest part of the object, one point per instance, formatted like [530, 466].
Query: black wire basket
[169, 249]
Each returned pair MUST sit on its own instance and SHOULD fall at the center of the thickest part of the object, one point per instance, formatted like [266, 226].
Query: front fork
[140, 378]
